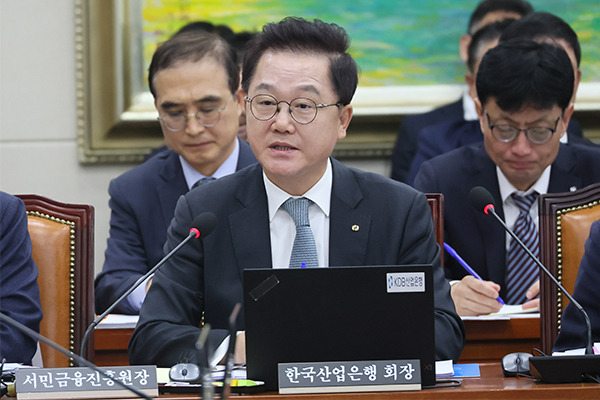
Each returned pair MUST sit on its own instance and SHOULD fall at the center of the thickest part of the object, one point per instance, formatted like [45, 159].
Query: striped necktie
[203, 181]
[304, 249]
[522, 271]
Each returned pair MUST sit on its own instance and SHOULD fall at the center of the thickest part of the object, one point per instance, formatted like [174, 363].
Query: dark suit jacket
[406, 141]
[142, 202]
[19, 291]
[476, 236]
[449, 135]
[205, 275]
[573, 332]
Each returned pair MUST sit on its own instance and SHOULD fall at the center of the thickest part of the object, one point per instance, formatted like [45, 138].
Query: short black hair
[484, 36]
[522, 73]
[301, 36]
[520, 7]
[543, 25]
[239, 41]
[194, 46]
[204, 26]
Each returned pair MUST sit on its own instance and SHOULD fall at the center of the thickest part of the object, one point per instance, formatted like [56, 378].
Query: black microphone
[483, 202]
[208, 390]
[80, 360]
[202, 225]
[230, 358]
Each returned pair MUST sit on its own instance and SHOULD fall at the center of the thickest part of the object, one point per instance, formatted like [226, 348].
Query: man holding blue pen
[524, 105]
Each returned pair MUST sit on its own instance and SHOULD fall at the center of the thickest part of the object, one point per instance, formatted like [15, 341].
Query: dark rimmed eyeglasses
[507, 133]
[302, 109]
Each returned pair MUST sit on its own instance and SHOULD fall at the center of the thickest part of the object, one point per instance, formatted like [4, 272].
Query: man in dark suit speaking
[194, 78]
[299, 81]
[524, 105]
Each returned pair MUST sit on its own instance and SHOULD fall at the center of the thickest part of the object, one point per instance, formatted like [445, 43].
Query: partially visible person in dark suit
[299, 81]
[573, 330]
[19, 291]
[486, 12]
[194, 78]
[437, 139]
[539, 26]
[546, 27]
[524, 91]
[237, 41]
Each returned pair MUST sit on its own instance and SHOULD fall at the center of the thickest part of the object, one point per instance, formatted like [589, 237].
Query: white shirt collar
[228, 167]
[506, 188]
[469, 111]
[320, 193]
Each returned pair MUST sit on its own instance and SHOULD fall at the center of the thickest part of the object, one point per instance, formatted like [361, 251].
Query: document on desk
[118, 321]
[508, 312]
[577, 352]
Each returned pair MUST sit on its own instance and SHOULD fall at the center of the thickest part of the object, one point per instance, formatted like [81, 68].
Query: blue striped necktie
[304, 249]
[522, 271]
[203, 181]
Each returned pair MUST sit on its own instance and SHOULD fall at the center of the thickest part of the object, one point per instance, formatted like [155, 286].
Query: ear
[478, 106]
[240, 98]
[463, 47]
[566, 117]
[576, 86]
[345, 118]
[470, 80]
[479, 109]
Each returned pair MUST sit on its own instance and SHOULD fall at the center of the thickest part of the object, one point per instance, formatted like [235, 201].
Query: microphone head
[204, 224]
[481, 199]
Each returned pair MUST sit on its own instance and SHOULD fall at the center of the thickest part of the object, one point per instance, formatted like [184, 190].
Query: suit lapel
[246, 156]
[250, 233]
[562, 179]
[348, 227]
[171, 186]
[491, 232]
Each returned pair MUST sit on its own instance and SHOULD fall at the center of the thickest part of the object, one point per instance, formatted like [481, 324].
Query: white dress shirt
[281, 224]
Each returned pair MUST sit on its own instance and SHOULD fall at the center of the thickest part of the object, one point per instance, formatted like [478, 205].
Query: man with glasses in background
[298, 207]
[524, 105]
[195, 80]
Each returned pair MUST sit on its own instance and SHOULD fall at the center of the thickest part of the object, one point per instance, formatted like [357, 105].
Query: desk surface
[491, 385]
[487, 340]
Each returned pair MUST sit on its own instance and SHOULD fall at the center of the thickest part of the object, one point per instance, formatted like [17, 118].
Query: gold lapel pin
[355, 228]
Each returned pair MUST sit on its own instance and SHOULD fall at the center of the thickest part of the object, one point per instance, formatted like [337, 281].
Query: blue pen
[303, 265]
[466, 266]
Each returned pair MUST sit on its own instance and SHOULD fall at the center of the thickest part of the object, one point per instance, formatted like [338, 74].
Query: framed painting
[407, 53]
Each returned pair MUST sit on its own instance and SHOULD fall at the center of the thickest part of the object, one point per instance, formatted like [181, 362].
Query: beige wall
[38, 151]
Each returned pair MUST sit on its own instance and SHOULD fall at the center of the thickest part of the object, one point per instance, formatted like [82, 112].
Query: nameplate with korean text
[349, 376]
[84, 383]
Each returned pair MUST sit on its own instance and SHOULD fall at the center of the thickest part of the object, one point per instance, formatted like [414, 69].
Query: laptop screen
[338, 314]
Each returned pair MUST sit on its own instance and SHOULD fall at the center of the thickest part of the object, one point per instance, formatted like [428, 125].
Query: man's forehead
[528, 112]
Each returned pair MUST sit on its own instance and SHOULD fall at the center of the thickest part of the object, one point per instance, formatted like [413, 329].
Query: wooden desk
[486, 341]
[491, 385]
[491, 340]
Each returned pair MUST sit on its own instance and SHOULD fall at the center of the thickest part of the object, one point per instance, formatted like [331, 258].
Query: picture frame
[116, 118]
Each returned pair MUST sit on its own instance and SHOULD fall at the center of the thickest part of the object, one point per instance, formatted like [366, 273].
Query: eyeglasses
[177, 120]
[302, 110]
[506, 133]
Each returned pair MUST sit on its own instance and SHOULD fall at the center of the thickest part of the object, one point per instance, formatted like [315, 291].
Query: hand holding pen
[466, 266]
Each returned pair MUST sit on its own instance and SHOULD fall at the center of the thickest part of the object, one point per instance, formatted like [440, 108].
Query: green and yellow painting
[396, 42]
